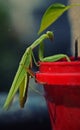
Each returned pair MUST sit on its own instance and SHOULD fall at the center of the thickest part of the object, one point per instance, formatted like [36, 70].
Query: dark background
[13, 43]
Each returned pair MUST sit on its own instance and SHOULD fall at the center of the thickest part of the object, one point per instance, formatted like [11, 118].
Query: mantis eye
[50, 35]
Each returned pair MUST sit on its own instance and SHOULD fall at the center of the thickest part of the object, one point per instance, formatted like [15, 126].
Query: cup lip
[59, 73]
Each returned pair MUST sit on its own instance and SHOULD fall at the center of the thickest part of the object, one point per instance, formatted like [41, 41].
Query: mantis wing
[19, 77]
[23, 90]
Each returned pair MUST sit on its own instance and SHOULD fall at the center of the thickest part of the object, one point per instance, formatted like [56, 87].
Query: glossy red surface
[61, 82]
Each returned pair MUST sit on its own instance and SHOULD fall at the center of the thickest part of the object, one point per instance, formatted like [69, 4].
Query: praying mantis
[21, 79]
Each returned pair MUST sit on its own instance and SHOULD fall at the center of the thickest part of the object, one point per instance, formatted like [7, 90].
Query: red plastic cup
[61, 82]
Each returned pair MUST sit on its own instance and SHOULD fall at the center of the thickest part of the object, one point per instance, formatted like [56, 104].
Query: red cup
[61, 81]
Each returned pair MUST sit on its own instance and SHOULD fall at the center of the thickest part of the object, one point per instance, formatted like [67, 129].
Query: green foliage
[52, 14]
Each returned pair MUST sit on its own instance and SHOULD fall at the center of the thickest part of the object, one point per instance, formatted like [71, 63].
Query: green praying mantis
[21, 79]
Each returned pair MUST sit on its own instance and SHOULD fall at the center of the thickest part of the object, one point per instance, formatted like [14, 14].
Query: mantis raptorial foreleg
[50, 58]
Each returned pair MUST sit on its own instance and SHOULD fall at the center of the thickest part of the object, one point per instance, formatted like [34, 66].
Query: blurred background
[19, 25]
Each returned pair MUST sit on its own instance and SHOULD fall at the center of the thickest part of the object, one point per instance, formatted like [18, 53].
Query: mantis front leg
[50, 58]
